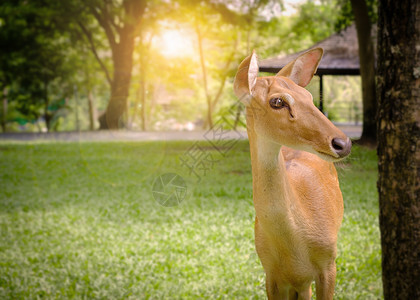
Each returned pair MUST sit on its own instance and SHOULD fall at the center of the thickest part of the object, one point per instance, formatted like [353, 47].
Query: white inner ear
[297, 69]
[253, 72]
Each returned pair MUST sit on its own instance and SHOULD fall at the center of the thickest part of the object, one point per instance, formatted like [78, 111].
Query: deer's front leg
[303, 295]
[325, 283]
[275, 291]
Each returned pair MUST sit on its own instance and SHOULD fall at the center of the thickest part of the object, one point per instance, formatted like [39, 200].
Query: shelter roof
[341, 55]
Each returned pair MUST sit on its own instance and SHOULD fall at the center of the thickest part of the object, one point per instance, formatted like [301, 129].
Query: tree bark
[92, 110]
[399, 146]
[76, 108]
[121, 40]
[47, 114]
[367, 70]
[123, 62]
[143, 103]
[142, 88]
[4, 110]
[209, 120]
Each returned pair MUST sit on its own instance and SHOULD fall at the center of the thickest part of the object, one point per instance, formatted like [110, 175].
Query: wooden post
[321, 95]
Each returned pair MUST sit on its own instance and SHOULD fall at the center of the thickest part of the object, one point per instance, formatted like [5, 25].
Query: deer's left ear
[303, 68]
[246, 78]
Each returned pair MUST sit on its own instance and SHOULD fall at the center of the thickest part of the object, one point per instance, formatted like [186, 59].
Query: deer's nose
[341, 147]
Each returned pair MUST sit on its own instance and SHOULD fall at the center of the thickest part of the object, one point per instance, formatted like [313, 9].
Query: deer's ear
[246, 78]
[303, 68]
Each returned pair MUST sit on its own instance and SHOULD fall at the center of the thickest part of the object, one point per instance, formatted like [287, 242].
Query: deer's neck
[272, 194]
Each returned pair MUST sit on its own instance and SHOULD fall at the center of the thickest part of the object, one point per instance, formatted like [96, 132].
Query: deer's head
[280, 109]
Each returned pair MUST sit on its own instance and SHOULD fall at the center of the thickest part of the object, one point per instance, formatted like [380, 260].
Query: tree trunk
[121, 39]
[399, 146]
[123, 61]
[143, 104]
[143, 90]
[135, 109]
[47, 115]
[4, 113]
[209, 120]
[367, 70]
[76, 108]
[140, 99]
[90, 97]
[92, 110]
[239, 107]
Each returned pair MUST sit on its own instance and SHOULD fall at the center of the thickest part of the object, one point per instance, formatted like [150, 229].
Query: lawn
[79, 220]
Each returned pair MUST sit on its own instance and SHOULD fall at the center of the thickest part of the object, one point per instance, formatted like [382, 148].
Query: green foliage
[313, 23]
[38, 67]
[52, 47]
[345, 17]
[78, 220]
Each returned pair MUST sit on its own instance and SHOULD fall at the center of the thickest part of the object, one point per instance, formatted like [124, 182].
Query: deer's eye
[277, 103]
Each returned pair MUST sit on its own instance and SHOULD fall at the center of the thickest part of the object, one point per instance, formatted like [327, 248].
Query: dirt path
[96, 136]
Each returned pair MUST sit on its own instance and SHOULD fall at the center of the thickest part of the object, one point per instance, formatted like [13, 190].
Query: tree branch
[204, 70]
[228, 15]
[104, 20]
[110, 19]
[134, 10]
[95, 53]
[223, 81]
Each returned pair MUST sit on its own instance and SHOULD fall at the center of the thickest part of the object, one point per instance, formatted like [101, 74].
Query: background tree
[80, 32]
[258, 31]
[237, 25]
[312, 23]
[399, 146]
[143, 65]
[363, 12]
[222, 63]
[120, 22]
[89, 85]
[35, 68]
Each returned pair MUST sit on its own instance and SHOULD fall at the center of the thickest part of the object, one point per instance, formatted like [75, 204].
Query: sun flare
[174, 43]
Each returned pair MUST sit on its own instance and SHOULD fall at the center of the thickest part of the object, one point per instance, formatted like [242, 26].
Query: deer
[296, 194]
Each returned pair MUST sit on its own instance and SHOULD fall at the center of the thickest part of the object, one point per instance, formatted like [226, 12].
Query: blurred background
[75, 65]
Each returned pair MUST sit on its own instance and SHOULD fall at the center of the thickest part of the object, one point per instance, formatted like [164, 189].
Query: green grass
[78, 220]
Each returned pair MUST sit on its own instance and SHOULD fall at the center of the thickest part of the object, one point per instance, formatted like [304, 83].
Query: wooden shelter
[341, 57]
